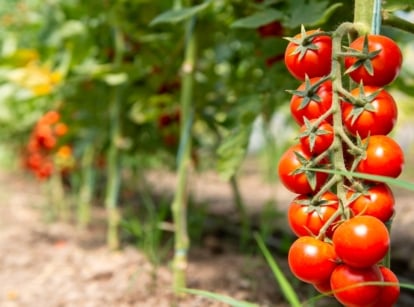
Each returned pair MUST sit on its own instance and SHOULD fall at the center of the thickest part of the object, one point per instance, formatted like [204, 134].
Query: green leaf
[178, 15]
[284, 284]
[220, 298]
[232, 151]
[305, 12]
[258, 19]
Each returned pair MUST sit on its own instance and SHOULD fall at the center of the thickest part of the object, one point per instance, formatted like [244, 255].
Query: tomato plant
[309, 54]
[306, 217]
[345, 282]
[375, 199]
[318, 138]
[294, 176]
[376, 60]
[389, 293]
[361, 241]
[372, 112]
[383, 156]
[312, 260]
[311, 100]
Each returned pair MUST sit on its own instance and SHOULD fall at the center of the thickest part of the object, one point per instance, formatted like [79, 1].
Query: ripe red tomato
[316, 140]
[361, 241]
[383, 157]
[311, 104]
[299, 182]
[385, 65]
[310, 56]
[389, 294]
[377, 200]
[377, 116]
[345, 280]
[312, 260]
[307, 219]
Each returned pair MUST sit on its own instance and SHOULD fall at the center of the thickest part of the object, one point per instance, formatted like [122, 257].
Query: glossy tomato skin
[386, 65]
[361, 241]
[314, 62]
[297, 183]
[343, 279]
[383, 157]
[322, 141]
[312, 260]
[377, 201]
[305, 219]
[314, 109]
[380, 120]
[389, 293]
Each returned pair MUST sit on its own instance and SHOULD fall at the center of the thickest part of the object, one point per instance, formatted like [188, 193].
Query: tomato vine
[348, 244]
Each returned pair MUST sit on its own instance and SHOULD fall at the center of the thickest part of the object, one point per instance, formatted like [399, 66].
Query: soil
[44, 264]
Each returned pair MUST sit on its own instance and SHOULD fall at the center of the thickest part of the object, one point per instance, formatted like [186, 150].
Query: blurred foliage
[61, 54]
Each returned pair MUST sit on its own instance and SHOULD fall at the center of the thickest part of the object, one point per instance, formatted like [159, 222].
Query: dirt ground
[54, 265]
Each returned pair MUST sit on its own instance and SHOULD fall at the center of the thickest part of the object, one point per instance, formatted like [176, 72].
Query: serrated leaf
[232, 151]
[305, 12]
[178, 15]
[258, 19]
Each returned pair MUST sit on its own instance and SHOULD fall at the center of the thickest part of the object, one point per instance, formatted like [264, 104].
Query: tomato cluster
[340, 220]
[43, 153]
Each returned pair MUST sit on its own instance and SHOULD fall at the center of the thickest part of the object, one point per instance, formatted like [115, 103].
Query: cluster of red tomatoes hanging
[44, 154]
[340, 220]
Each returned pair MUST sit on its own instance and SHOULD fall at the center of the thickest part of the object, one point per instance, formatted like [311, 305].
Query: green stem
[57, 190]
[86, 188]
[179, 205]
[241, 208]
[113, 170]
[389, 19]
[363, 15]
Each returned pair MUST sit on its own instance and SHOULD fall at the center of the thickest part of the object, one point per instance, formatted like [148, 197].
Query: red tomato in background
[343, 281]
[378, 120]
[321, 140]
[306, 219]
[272, 29]
[301, 107]
[386, 64]
[361, 241]
[312, 260]
[314, 61]
[378, 201]
[383, 157]
[298, 182]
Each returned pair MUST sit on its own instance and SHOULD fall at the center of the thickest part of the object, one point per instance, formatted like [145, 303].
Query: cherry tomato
[307, 219]
[377, 116]
[385, 65]
[297, 181]
[309, 55]
[317, 139]
[311, 104]
[361, 241]
[383, 157]
[389, 293]
[312, 260]
[377, 200]
[324, 287]
[345, 280]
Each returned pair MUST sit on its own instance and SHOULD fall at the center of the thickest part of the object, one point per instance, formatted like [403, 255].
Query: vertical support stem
[241, 209]
[179, 205]
[86, 187]
[113, 170]
[363, 14]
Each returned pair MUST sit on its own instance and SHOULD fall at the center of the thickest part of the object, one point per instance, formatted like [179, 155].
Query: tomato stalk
[86, 187]
[113, 169]
[179, 205]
